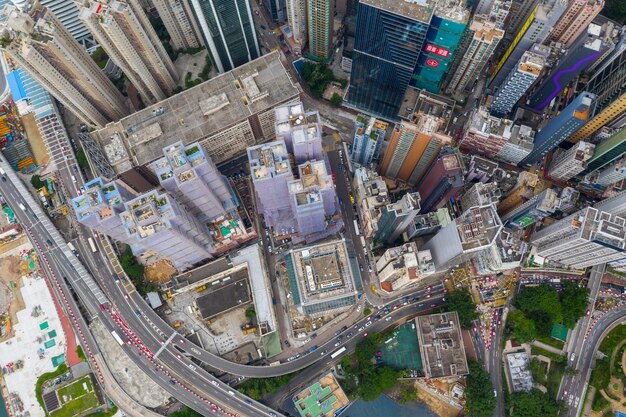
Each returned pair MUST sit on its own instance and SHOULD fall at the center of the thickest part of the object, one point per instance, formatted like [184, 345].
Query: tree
[479, 398]
[336, 100]
[185, 412]
[538, 369]
[542, 298]
[543, 323]
[459, 300]
[81, 158]
[573, 303]
[133, 269]
[365, 351]
[408, 393]
[616, 10]
[522, 328]
[534, 403]
[374, 381]
[36, 182]
[250, 313]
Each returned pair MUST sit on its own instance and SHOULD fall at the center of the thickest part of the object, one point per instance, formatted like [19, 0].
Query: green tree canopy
[317, 77]
[36, 182]
[336, 100]
[480, 401]
[374, 381]
[542, 298]
[534, 404]
[81, 158]
[186, 412]
[459, 300]
[573, 303]
[522, 328]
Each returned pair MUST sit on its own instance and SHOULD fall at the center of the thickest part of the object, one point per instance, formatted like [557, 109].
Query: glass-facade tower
[389, 36]
[228, 31]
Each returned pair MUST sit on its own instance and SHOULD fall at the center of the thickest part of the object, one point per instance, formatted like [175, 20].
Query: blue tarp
[15, 84]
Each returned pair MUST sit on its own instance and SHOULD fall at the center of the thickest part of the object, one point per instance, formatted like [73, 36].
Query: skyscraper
[277, 9]
[442, 181]
[67, 13]
[442, 40]
[607, 151]
[37, 41]
[228, 31]
[536, 208]
[519, 14]
[521, 77]
[568, 121]
[296, 15]
[301, 131]
[575, 20]
[178, 19]
[388, 39]
[123, 30]
[480, 41]
[566, 164]
[320, 15]
[612, 173]
[369, 135]
[396, 217]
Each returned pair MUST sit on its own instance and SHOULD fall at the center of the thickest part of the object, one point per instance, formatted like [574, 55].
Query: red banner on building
[437, 50]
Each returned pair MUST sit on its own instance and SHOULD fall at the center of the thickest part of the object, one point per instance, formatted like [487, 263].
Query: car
[126, 296]
[359, 308]
[322, 353]
[263, 27]
[429, 288]
[379, 353]
[179, 357]
[428, 295]
[475, 329]
[368, 324]
[182, 341]
[499, 322]
[396, 306]
[388, 318]
[287, 343]
[231, 393]
[349, 335]
[256, 12]
[337, 344]
[564, 393]
[588, 312]
[337, 332]
[361, 328]
[365, 334]
[272, 414]
[172, 382]
[572, 357]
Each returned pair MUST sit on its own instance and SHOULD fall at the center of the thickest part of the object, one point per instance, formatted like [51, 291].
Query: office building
[568, 121]
[522, 76]
[575, 20]
[586, 238]
[228, 32]
[296, 15]
[388, 40]
[496, 138]
[403, 266]
[277, 10]
[100, 206]
[442, 181]
[158, 227]
[480, 169]
[429, 223]
[442, 40]
[190, 176]
[507, 253]
[535, 209]
[466, 237]
[481, 194]
[582, 54]
[566, 164]
[477, 46]
[612, 173]
[320, 16]
[321, 279]
[271, 174]
[396, 217]
[521, 13]
[226, 114]
[38, 43]
[371, 196]
[534, 30]
[369, 135]
[300, 130]
[312, 198]
[607, 151]
[123, 30]
[414, 146]
[178, 19]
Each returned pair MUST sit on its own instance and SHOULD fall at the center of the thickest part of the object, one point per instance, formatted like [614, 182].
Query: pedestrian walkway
[71, 356]
[547, 347]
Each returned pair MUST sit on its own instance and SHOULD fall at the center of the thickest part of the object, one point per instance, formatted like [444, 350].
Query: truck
[72, 248]
[201, 288]
[117, 338]
[312, 348]
[21, 206]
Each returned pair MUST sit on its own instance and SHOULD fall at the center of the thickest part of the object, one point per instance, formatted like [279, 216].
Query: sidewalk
[548, 348]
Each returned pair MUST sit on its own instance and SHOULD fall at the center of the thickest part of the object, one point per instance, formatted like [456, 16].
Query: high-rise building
[442, 181]
[568, 121]
[277, 10]
[403, 266]
[369, 135]
[523, 190]
[371, 196]
[296, 15]
[300, 130]
[470, 234]
[496, 138]
[615, 205]
[320, 16]
[123, 30]
[413, 147]
[429, 223]
[442, 40]
[478, 45]
[227, 27]
[535, 209]
[100, 206]
[481, 194]
[506, 254]
[607, 151]
[271, 174]
[521, 13]
[178, 19]
[569, 163]
[190, 176]
[37, 41]
[389, 36]
[156, 223]
[575, 20]
[535, 29]
[586, 238]
[480, 169]
[396, 218]
[519, 80]
[67, 13]
[582, 54]
[612, 173]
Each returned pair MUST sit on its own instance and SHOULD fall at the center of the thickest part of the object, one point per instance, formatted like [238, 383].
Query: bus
[94, 249]
[117, 338]
[337, 353]
[72, 248]
[363, 243]
[356, 228]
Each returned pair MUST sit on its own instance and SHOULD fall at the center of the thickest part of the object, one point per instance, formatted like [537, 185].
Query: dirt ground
[436, 405]
[160, 272]
[12, 267]
[40, 153]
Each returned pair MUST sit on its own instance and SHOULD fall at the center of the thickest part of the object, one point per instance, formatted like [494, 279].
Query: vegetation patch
[479, 398]
[257, 388]
[460, 300]
[76, 398]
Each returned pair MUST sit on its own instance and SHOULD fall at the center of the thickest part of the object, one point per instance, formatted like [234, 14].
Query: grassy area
[601, 374]
[599, 402]
[61, 369]
[109, 413]
[612, 339]
[76, 399]
[551, 342]
[534, 350]
[80, 353]
[557, 368]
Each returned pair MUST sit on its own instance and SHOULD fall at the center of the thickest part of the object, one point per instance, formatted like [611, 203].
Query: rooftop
[268, 160]
[324, 398]
[441, 345]
[478, 227]
[224, 294]
[98, 199]
[421, 10]
[454, 10]
[197, 113]
[146, 214]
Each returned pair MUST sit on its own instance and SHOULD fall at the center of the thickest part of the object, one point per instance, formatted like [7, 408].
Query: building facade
[403, 266]
[535, 209]
[301, 131]
[371, 196]
[296, 15]
[569, 163]
[369, 135]
[320, 16]
[442, 181]
[396, 218]
[180, 23]
[575, 20]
